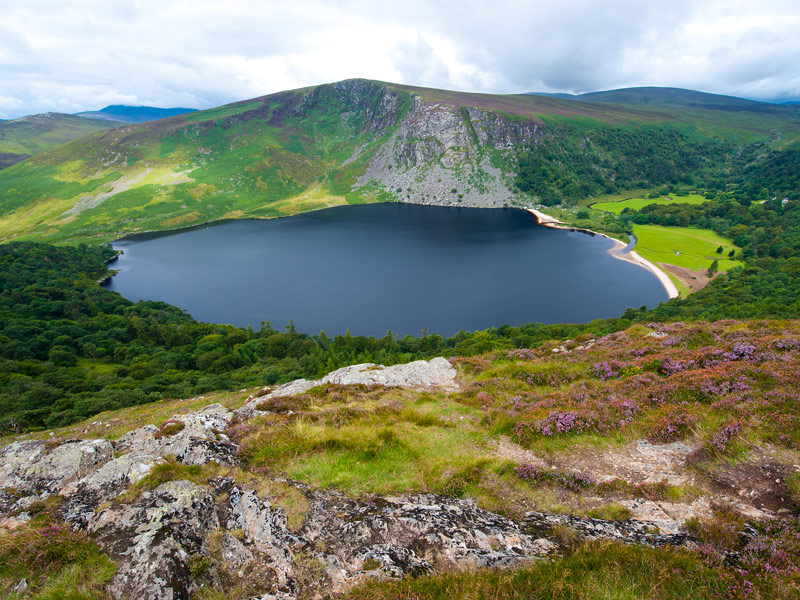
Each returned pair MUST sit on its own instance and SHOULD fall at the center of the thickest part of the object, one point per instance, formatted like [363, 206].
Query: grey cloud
[416, 61]
[75, 56]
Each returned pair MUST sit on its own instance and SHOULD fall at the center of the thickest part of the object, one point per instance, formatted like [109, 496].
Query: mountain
[26, 136]
[665, 96]
[133, 114]
[660, 96]
[361, 141]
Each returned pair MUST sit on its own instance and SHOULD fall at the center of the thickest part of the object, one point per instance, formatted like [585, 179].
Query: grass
[114, 423]
[609, 512]
[390, 442]
[687, 247]
[384, 450]
[617, 207]
[594, 571]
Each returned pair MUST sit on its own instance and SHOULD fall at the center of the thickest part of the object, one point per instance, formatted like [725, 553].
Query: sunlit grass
[382, 452]
[683, 246]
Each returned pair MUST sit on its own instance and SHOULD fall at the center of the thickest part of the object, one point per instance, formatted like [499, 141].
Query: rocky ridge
[171, 540]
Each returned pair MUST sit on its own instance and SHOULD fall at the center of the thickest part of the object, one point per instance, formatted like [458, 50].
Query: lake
[377, 267]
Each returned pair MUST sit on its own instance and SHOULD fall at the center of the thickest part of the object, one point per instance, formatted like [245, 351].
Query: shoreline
[618, 251]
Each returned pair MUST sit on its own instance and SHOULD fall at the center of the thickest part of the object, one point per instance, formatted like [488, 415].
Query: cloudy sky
[86, 54]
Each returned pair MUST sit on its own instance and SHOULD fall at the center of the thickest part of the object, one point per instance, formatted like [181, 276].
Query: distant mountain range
[665, 96]
[133, 114]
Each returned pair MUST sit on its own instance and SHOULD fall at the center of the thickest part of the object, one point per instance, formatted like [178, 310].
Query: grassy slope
[273, 156]
[687, 247]
[31, 135]
[690, 248]
[261, 158]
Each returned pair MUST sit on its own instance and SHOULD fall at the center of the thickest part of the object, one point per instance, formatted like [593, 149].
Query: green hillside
[31, 135]
[361, 141]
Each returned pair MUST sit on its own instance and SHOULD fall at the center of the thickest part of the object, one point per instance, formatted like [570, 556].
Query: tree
[719, 250]
[713, 268]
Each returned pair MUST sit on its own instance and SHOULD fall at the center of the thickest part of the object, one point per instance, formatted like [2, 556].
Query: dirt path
[694, 280]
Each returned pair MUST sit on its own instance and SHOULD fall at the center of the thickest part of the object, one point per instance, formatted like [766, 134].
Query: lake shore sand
[618, 251]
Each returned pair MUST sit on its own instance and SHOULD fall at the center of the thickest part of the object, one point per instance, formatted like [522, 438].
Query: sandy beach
[618, 251]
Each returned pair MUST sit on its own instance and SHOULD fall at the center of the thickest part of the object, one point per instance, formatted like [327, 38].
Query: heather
[727, 383]
[52, 559]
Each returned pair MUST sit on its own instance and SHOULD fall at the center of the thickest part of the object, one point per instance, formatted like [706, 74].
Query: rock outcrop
[434, 374]
[170, 538]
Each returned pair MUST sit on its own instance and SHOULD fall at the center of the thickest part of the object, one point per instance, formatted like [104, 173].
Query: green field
[638, 203]
[687, 247]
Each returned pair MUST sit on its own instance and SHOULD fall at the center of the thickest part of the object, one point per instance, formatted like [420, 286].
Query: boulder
[28, 466]
[434, 374]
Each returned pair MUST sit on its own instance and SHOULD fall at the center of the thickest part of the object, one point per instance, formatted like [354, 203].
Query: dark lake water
[385, 266]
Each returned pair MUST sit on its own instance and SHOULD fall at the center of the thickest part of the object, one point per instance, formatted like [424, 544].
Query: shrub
[285, 404]
[724, 435]
[570, 481]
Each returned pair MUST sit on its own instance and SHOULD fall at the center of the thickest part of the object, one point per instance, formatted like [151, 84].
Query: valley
[637, 446]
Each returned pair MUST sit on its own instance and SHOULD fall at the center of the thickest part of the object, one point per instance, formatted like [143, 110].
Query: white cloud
[87, 53]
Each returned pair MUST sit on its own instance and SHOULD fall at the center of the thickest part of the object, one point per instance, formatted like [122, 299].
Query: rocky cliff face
[441, 154]
[171, 539]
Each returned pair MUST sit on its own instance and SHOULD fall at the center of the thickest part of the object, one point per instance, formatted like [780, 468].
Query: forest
[575, 164]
